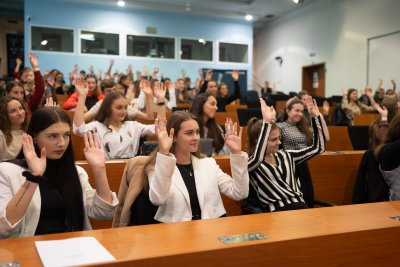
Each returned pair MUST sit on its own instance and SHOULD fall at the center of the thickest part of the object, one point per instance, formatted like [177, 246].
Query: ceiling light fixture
[44, 42]
[121, 3]
[298, 1]
[248, 17]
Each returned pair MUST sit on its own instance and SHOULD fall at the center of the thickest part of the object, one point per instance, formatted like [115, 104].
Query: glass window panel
[229, 52]
[150, 46]
[99, 43]
[196, 49]
[52, 39]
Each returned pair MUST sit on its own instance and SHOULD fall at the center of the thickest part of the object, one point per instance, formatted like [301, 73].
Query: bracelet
[32, 178]
[161, 104]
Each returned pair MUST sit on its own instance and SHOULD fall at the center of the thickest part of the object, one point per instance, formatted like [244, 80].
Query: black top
[187, 173]
[53, 211]
[389, 157]
[223, 101]
[142, 210]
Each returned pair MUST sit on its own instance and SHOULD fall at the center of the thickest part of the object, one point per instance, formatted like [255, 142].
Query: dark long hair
[303, 124]
[66, 175]
[392, 135]
[254, 126]
[105, 108]
[5, 124]
[214, 131]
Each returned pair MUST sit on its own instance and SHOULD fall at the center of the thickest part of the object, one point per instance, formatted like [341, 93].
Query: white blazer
[169, 192]
[11, 180]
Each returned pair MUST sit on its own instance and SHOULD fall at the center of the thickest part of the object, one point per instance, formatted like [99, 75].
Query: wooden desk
[356, 235]
[340, 139]
[365, 118]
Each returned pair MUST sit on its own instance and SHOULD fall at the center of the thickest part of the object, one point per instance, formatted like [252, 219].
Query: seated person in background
[13, 123]
[182, 96]
[272, 171]
[44, 192]
[120, 137]
[107, 86]
[156, 85]
[352, 107]
[93, 95]
[221, 93]
[204, 108]
[186, 185]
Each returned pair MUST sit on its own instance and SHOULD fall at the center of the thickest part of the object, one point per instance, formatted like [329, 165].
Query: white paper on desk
[73, 251]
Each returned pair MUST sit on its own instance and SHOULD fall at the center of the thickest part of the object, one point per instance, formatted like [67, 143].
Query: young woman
[204, 108]
[352, 106]
[94, 94]
[45, 192]
[272, 171]
[185, 185]
[387, 155]
[295, 135]
[120, 137]
[13, 123]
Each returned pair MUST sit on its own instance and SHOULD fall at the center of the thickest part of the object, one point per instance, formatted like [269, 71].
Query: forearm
[149, 107]
[261, 147]
[18, 205]
[79, 111]
[325, 129]
[161, 179]
[102, 186]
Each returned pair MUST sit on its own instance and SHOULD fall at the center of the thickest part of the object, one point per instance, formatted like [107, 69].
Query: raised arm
[236, 93]
[18, 63]
[269, 115]
[159, 93]
[82, 89]
[146, 89]
[18, 205]
[34, 100]
[160, 179]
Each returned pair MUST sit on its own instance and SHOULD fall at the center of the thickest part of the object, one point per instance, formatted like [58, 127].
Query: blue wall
[128, 21]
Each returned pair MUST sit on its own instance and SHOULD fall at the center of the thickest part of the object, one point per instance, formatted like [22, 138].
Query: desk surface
[345, 235]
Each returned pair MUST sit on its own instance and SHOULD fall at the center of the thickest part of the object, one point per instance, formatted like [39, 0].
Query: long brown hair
[392, 135]
[214, 131]
[5, 123]
[105, 108]
[303, 124]
[253, 133]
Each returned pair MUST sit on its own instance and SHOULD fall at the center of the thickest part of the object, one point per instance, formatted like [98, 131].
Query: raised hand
[144, 85]
[235, 75]
[76, 69]
[232, 139]
[312, 106]
[94, 152]
[81, 86]
[209, 74]
[18, 61]
[159, 92]
[50, 102]
[34, 60]
[183, 73]
[165, 140]
[36, 165]
[368, 91]
[200, 73]
[268, 113]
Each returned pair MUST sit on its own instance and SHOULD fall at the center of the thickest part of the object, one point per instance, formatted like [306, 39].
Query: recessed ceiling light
[298, 1]
[248, 17]
[121, 3]
[44, 42]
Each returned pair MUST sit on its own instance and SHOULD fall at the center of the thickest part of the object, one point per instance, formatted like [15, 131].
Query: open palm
[36, 165]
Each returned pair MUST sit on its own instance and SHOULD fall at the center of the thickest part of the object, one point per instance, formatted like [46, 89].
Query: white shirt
[118, 145]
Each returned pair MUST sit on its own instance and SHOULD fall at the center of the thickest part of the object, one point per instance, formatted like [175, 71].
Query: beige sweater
[11, 151]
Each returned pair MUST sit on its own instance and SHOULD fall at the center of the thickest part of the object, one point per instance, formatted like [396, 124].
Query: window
[229, 52]
[99, 43]
[52, 39]
[199, 49]
[150, 46]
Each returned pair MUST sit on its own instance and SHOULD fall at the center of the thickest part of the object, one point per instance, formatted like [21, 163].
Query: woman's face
[212, 87]
[55, 139]
[16, 113]
[188, 137]
[223, 91]
[17, 92]
[274, 140]
[296, 113]
[91, 84]
[59, 77]
[354, 96]
[119, 109]
[210, 107]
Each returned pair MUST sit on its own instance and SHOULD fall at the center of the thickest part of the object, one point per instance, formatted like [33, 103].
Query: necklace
[181, 166]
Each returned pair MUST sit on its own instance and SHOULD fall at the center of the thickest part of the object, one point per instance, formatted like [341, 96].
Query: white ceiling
[235, 9]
